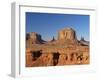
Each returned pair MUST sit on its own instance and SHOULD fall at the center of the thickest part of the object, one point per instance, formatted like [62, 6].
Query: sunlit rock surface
[66, 50]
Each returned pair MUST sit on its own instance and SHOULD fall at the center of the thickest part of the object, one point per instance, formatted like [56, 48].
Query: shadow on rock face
[55, 58]
[36, 55]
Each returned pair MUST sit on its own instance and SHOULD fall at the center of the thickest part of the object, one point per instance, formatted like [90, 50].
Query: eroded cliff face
[66, 50]
[33, 38]
[67, 34]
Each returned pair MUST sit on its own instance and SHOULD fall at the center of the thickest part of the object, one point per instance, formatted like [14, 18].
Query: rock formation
[34, 38]
[67, 34]
[83, 42]
[67, 50]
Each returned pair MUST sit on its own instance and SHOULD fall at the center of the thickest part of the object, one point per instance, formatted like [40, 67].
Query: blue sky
[48, 24]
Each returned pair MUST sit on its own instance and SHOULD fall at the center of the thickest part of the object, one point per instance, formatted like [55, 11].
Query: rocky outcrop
[67, 34]
[66, 50]
[84, 42]
[34, 38]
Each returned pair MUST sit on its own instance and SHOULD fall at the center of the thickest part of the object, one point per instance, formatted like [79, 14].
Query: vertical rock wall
[67, 34]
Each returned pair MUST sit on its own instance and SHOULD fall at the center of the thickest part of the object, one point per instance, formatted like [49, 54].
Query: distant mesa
[65, 50]
[66, 35]
[34, 38]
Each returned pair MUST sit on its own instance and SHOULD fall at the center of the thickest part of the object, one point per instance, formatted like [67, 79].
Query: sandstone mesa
[66, 50]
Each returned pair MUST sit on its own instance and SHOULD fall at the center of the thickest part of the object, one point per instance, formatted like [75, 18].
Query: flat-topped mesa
[34, 38]
[67, 34]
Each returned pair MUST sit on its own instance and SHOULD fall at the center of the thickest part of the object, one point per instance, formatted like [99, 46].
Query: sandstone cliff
[67, 34]
[34, 38]
[66, 50]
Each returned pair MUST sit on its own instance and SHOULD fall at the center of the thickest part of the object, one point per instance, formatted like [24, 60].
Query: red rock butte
[66, 50]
